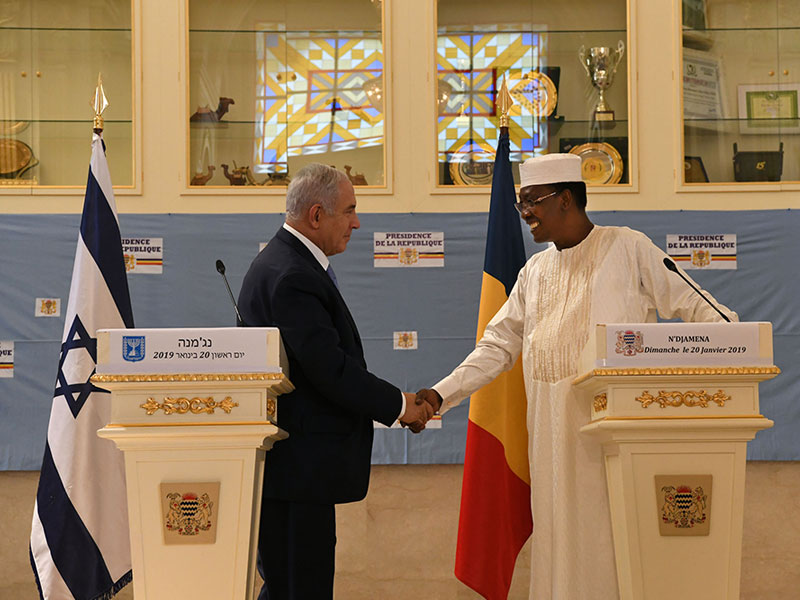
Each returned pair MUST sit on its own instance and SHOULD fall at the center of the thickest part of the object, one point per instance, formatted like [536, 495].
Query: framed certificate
[703, 98]
[771, 108]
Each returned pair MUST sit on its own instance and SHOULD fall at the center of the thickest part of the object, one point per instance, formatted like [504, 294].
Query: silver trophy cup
[601, 63]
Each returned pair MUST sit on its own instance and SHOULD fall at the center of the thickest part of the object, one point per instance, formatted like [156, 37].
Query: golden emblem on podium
[189, 514]
[683, 506]
[130, 261]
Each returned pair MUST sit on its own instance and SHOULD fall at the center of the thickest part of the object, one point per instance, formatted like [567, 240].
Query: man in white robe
[590, 274]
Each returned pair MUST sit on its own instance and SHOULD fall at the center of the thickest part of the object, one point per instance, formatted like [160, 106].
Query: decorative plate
[14, 157]
[466, 171]
[601, 163]
[536, 92]
[13, 127]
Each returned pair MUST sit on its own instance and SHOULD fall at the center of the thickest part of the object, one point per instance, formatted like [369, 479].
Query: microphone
[672, 267]
[221, 271]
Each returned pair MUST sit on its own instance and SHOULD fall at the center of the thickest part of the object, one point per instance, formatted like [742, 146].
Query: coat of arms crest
[408, 255]
[48, 306]
[629, 343]
[683, 507]
[130, 261]
[133, 348]
[701, 258]
[189, 514]
[405, 339]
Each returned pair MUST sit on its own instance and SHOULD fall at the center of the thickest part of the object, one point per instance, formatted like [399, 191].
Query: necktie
[332, 275]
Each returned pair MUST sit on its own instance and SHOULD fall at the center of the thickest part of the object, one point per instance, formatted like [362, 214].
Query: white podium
[674, 406]
[191, 410]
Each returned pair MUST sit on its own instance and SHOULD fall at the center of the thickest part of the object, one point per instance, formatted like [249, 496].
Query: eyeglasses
[523, 204]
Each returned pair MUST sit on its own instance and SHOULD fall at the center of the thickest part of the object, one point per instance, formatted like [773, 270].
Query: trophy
[601, 63]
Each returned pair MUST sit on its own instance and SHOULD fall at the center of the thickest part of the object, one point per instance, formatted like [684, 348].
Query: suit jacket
[329, 415]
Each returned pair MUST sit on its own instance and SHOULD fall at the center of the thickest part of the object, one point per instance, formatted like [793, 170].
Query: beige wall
[400, 541]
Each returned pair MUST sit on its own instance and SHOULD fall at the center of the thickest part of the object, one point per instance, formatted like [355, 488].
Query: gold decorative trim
[196, 406]
[272, 406]
[676, 417]
[185, 377]
[600, 402]
[193, 424]
[689, 398]
[679, 371]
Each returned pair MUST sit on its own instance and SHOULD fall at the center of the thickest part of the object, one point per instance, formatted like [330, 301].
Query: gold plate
[538, 85]
[601, 164]
[15, 156]
[465, 171]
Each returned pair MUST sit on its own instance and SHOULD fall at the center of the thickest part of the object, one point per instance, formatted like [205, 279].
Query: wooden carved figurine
[236, 176]
[357, 179]
[205, 114]
[202, 178]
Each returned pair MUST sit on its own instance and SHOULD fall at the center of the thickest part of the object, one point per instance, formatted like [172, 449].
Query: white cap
[550, 168]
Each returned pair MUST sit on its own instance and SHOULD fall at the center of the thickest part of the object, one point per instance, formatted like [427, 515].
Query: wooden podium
[674, 438]
[192, 411]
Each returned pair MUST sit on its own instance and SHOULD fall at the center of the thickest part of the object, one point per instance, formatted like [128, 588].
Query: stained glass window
[471, 69]
[312, 95]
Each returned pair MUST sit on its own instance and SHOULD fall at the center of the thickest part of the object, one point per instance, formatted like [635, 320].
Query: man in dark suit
[326, 458]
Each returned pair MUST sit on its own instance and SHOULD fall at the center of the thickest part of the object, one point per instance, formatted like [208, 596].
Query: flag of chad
[495, 519]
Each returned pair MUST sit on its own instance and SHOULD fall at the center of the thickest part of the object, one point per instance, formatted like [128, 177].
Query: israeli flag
[80, 546]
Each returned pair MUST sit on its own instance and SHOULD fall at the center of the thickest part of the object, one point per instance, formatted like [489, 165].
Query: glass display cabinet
[51, 53]
[566, 66]
[740, 92]
[276, 85]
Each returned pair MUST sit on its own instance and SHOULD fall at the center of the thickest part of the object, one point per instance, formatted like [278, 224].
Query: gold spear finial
[99, 103]
[504, 104]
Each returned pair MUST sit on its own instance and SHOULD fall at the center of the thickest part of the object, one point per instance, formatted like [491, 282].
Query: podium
[193, 410]
[674, 405]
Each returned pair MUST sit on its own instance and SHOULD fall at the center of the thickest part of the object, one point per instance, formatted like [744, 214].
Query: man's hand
[418, 412]
[432, 397]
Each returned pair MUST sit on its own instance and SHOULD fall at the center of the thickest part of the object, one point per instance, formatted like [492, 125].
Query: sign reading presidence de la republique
[703, 251]
[143, 255]
[408, 249]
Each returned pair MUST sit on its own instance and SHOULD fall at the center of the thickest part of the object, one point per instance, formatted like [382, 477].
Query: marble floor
[399, 543]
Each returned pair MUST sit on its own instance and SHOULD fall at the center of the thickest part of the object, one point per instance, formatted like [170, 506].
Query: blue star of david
[77, 338]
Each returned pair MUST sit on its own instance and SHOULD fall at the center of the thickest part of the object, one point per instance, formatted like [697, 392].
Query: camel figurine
[357, 179]
[237, 176]
[277, 179]
[205, 114]
[201, 178]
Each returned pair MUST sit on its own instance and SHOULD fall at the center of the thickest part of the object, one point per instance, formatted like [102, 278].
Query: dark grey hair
[313, 184]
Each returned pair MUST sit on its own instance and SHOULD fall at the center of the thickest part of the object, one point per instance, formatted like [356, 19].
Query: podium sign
[221, 350]
[191, 410]
[674, 434]
[682, 344]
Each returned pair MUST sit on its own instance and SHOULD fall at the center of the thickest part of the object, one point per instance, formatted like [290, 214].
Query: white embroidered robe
[615, 275]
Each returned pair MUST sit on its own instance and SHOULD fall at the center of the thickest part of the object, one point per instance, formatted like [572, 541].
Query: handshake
[420, 408]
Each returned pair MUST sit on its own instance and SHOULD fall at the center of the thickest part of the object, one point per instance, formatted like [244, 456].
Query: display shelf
[61, 150]
[52, 54]
[266, 97]
[741, 86]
